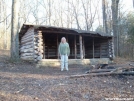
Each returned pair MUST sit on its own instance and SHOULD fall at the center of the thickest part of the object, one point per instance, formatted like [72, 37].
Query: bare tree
[76, 12]
[105, 27]
[14, 31]
[114, 8]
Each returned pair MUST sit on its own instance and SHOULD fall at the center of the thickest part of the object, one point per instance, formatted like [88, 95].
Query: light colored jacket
[64, 49]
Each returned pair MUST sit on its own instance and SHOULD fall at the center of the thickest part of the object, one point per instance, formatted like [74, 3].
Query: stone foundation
[56, 62]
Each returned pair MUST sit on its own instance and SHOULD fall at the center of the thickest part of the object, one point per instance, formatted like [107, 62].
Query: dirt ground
[24, 82]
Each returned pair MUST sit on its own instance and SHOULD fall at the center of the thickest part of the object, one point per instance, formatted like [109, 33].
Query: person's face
[63, 40]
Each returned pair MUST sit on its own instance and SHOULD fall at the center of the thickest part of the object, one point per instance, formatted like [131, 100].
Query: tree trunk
[105, 27]
[114, 8]
[133, 3]
[14, 31]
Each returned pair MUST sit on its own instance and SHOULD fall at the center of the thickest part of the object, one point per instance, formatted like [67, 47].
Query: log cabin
[40, 43]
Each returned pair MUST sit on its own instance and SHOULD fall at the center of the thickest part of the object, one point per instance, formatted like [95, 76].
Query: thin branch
[5, 18]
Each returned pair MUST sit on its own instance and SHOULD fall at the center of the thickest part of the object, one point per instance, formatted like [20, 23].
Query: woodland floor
[22, 81]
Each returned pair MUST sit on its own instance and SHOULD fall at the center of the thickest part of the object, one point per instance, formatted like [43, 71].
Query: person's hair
[63, 38]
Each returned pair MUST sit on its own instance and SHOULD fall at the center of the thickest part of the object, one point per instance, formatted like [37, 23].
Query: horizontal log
[100, 70]
[27, 58]
[27, 54]
[27, 50]
[131, 65]
[37, 33]
[28, 34]
[27, 46]
[41, 51]
[38, 41]
[103, 51]
[25, 38]
[30, 29]
[35, 56]
[28, 43]
[38, 52]
[100, 74]
[39, 57]
[38, 44]
[38, 36]
[38, 47]
[35, 60]
[120, 69]
[30, 40]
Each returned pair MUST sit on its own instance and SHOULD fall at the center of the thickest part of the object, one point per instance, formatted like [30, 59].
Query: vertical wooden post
[47, 52]
[75, 47]
[57, 47]
[44, 46]
[100, 50]
[81, 50]
[67, 37]
[93, 47]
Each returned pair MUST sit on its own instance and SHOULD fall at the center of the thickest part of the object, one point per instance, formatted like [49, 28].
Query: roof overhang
[61, 30]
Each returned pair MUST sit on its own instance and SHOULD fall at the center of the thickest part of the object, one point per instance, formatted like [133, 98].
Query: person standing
[64, 52]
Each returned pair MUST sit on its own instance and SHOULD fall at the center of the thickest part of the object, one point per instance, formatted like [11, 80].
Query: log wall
[35, 46]
[31, 45]
[111, 49]
[27, 45]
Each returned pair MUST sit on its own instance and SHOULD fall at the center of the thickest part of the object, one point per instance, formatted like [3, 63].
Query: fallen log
[100, 70]
[121, 69]
[131, 65]
[102, 74]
